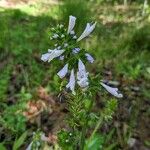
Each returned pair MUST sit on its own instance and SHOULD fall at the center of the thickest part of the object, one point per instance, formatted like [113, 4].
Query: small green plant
[12, 117]
[4, 82]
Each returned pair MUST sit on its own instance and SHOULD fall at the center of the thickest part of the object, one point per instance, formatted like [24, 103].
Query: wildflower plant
[83, 87]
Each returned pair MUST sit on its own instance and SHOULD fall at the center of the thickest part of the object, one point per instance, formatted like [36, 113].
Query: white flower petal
[89, 28]
[71, 84]
[113, 91]
[89, 58]
[81, 66]
[82, 75]
[45, 57]
[83, 83]
[72, 21]
[51, 55]
[76, 50]
[62, 73]
[54, 54]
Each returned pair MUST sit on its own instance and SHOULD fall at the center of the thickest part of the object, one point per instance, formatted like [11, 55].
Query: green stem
[97, 127]
[84, 128]
[83, 134]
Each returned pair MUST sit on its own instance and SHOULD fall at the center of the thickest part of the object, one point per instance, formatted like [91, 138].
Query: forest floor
[121, 46]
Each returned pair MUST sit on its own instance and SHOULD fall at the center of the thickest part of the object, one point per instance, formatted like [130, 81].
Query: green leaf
[95, 143]
[111, 147]
[20, 141]
[2, 147]
[109, 136]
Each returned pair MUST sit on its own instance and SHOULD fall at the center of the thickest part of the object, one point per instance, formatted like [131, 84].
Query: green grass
[119, 46]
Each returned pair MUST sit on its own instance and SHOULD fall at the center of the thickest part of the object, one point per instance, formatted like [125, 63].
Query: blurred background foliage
[120, 45]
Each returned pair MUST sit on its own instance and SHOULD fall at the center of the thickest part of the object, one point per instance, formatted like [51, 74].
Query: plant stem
[97, 127]
[82, 142]
[84, 128]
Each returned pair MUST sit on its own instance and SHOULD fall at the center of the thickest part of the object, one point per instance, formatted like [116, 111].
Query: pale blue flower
[76, 50]
[51, 55]
[62, 73]
[71, 84]
[113, 91]
[45, 57]
[81, 66]
[83, 83]
[82, 75]
[89, 58]
[72, 21]
[89, 28]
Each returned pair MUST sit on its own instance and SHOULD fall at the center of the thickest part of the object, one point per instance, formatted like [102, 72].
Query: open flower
[82, 75]
[89, 28]
[83, 83]
[76, 50]
[113, 91]
[62, 73]
[71, 84]
[89, 58]
[72, 21]
[51, 55]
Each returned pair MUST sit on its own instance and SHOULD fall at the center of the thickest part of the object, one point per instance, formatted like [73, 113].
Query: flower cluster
[67, 49]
